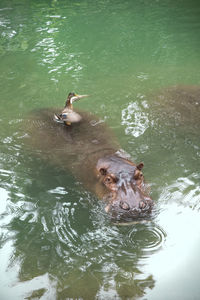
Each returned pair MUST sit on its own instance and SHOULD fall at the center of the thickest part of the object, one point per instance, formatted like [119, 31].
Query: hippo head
[123, 188]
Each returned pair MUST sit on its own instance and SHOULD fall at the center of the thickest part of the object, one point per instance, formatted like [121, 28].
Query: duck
[68, 115]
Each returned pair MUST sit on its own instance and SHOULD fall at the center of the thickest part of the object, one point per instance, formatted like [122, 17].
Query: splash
[135, 118]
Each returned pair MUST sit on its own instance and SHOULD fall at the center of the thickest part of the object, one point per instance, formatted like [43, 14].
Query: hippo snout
[129, 209]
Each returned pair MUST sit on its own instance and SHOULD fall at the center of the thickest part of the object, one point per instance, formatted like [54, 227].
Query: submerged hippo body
[178, 107]
[91, 153]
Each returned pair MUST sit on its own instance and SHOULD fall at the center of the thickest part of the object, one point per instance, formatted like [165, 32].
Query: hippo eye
[138, 175]
[110, 179]
[103, 171]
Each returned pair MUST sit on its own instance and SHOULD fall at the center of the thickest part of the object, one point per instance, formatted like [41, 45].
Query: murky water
[56, 240]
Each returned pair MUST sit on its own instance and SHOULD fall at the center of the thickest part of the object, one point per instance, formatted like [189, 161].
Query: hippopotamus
[85, 146]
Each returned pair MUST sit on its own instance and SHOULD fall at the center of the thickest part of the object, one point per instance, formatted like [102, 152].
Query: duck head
[72, 97]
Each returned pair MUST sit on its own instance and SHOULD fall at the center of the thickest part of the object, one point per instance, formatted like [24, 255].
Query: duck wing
[71, 117]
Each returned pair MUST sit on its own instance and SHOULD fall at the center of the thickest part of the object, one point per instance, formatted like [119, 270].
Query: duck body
[68, 115]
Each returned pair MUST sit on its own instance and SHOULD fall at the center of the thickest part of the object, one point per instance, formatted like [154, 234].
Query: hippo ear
[140, 166]
[103, 171]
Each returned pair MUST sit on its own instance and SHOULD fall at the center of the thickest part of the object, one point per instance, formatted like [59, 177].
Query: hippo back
[76, 147]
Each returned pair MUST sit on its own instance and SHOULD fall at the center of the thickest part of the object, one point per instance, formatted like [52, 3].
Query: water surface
[56, 240]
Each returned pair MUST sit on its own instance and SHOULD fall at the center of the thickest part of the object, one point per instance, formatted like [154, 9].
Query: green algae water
[56, 241]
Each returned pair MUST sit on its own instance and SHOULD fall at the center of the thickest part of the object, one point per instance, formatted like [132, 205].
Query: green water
[56, 242]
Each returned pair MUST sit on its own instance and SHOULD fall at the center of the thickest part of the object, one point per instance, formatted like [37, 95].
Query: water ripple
[185, 191]
[53, 54]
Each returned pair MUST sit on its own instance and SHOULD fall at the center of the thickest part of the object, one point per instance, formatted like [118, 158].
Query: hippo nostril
[142, 204]
[124, 205]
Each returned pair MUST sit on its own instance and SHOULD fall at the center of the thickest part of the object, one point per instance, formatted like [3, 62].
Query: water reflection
[58, 54]
[175, 268]
[61, 240]
[55, 54]
[185, 190]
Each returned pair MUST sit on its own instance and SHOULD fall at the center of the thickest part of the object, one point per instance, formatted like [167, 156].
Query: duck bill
[81, 96]
[78, 97]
